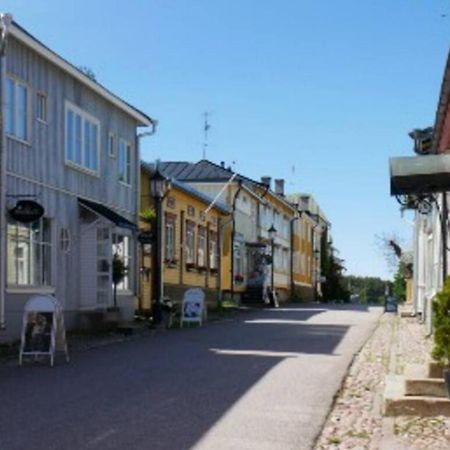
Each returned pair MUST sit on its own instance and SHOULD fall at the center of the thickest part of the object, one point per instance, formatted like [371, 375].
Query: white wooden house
[70, 145]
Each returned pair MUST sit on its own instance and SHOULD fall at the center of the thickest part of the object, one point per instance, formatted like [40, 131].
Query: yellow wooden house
[193, 245]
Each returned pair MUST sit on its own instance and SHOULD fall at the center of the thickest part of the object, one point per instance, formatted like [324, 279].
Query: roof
[208, 171]
[107, 213]
[30, 41]
[150, 168]
[443, 105]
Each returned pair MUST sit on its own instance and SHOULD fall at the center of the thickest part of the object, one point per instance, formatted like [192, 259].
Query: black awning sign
[27, 211]
[145, 237]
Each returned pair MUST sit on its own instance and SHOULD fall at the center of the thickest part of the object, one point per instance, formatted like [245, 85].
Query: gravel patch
[355, 421]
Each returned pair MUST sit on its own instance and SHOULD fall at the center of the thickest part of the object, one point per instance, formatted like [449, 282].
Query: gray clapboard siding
[44, 159]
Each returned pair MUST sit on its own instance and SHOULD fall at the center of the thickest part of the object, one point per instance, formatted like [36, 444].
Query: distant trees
[332, 268]
[368, 289]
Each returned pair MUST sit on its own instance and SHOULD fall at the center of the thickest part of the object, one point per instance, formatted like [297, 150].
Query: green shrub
[441, 323]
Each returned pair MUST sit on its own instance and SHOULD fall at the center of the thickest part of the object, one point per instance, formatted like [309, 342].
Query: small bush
[441, 323]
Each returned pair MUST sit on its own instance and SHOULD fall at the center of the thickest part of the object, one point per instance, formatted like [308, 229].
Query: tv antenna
[206, 127]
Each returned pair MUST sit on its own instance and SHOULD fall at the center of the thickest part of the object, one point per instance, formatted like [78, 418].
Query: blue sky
[329, 87]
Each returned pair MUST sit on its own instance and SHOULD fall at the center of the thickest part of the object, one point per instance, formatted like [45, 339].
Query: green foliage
[399, 285]
[369, 289]
[118, 269]
[441, 323]
[148, 214]
[334, 287]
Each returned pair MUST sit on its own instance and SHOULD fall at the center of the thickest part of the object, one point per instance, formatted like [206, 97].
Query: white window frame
[13, 134]
[126, 182]
[213, 247]
[41, 97]
[27, 243]
[84, 117]
[124, 251]
[201, 247]
[190, 242]
[112, 149]
[170, 236]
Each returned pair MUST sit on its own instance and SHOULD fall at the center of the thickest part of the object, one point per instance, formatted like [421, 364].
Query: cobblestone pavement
[355, 421]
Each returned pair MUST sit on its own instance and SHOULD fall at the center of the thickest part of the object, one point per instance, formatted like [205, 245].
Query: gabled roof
[150, 169]
[205, 171]
[30, 41]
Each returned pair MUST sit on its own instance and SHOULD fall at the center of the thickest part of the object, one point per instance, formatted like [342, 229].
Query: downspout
[233, 233]
[6, 21]
[297, 216]
[137, 249]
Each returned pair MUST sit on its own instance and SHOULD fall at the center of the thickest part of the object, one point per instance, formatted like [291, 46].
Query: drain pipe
[137, 265]
[5, 22]
[233, 233]
[296, 217]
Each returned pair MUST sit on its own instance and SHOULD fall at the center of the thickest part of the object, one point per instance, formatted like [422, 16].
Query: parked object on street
[390, 305]
[43, 331]
[193, 308]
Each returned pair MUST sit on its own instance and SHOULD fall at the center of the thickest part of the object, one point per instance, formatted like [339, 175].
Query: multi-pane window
[201, 247]
[238, 263]
[29, 252]
[16, 109]
[213, 254]
[124, 161]
[170, 230]
[82, 139]
[121, 248]
[190, 242]
[41, 107]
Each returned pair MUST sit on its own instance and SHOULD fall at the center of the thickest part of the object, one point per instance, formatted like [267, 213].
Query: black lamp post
[159, 186]
[272, 233]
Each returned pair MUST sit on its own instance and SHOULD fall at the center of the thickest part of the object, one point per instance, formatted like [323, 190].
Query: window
[201, 247]
[171, 203]
[121, 248]
[190, 242]
[170, 230]
[213, 254]
[191, 211]
[41, 107]
[238, 264]
[82, 139]
[29, 253]
[16, 108]
[124, 162]
[112, 145]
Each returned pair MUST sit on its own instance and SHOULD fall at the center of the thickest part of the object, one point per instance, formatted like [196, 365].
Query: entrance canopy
[107, 213]
[420, 174]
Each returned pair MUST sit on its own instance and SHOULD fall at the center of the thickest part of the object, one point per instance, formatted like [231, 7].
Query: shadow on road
[163, 392]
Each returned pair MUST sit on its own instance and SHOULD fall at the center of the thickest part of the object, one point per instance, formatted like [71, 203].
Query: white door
[104, 276]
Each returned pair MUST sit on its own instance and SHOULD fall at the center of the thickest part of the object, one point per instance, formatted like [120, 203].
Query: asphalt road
[264, 380]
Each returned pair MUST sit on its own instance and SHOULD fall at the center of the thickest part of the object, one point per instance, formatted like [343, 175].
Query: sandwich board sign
[43, 331]
[193, 307]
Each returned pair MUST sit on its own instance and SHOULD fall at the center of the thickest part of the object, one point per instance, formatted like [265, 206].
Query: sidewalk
[355, 422]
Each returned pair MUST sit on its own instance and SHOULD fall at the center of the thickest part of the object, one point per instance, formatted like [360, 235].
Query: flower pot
[446, 374]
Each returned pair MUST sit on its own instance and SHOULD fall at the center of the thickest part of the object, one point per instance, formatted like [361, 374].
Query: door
[104, 275]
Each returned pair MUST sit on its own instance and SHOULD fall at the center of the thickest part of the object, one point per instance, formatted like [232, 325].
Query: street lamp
[159, 186]
[272, 233]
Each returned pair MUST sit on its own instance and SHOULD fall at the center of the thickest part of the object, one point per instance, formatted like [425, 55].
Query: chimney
[266, 181]
[279, 187]
[222, 164]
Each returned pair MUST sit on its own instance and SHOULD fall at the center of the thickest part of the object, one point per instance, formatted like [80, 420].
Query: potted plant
[119, 272]
[239, 278]
[441, 323]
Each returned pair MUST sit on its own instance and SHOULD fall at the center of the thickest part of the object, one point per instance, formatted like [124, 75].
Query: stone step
[396, 403]
[431, 387]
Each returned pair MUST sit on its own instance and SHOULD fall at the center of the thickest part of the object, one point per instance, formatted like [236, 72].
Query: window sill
[30, 290]
[20, 141]
[82, 169]
[44, 122]
[128, 185]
